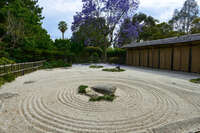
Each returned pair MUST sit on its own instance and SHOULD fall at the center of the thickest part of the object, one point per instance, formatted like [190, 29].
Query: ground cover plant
[96, 66]
[113, 70]
[197, 81]
[82, 89]
[103, 98]
[94, 98]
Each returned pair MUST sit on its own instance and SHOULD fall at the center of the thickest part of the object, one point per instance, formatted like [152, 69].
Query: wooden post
[172, 59]
[190, 60]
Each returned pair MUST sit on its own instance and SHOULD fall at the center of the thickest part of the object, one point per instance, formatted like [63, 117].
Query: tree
[62, 26]
[113, 11]
[182, 20]
[128, 32]
[21, 31]
[91, 33]
[147, 27]
[196, 26]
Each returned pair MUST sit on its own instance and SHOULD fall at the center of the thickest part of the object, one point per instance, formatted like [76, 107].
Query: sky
[64, 10]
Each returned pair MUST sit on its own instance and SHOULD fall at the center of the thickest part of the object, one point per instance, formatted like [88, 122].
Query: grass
[96, 66]
[82, 89]
[197, 81]
[104, 98]
[113, 70]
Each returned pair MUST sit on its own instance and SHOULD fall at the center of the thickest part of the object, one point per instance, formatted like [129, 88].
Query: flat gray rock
[104, 89]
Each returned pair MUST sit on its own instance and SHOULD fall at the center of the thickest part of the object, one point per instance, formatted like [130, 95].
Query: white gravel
[148, 101]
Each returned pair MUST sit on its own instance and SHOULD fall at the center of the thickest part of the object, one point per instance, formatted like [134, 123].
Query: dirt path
[148, 101]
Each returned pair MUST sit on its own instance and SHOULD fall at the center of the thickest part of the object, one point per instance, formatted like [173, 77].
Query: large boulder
[105, 89]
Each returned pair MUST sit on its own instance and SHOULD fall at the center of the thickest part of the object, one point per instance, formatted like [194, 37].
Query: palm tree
[62, 26]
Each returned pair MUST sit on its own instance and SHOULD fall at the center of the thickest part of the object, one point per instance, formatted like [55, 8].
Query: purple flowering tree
[113, 11]
[129, 31]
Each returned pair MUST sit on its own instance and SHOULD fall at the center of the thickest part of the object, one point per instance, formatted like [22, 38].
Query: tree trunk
[63, 37]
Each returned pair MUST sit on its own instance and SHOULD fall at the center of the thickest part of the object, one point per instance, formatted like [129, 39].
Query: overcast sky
[57, 10]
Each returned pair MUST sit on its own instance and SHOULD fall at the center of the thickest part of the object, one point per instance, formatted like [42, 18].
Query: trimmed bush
[2, 81]
[56, 64]
[96, 66]
[91, 50]
[197, 81]
[82, 89]
[94, 58]
[113, 70]
[116, 55]
[9, 77]
[101, 98]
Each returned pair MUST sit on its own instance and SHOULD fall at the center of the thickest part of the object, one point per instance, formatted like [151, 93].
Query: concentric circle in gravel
[128, 112]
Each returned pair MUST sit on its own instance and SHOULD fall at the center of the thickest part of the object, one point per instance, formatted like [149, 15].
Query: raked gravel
[148, 101]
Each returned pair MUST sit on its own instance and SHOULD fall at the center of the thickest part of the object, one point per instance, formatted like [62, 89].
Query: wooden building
[176, 53]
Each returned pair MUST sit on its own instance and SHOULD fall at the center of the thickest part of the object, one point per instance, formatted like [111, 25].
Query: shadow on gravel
[7, 96]
[29, 82]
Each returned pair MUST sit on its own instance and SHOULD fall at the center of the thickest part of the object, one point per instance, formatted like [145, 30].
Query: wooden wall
[195, 67]
[172, 57]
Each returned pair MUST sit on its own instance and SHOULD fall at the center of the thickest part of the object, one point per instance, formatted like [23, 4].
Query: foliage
[62, 44]
[128, 32]
[113, 11]
[1, 81]
[113, 52]
[116, 60]
[116, 55]
[113, 70]
[182, 20]
[94, 58]
[104, 98]
[62, 26]
[82, 89]
[92, 33]
[56, 64]
[7, 78]
[148, 29]
[96, 66]
[195, 80]
[196, 26]
[4, 53]
[91, 50]
[21, 30]
[4, 61]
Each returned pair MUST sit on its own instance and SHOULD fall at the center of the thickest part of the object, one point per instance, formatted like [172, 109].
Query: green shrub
[3, 53]
[91, 50]
[82, 89]
[116, 55]
[1, 81]
[197, 81]
[56, 64]
[96, 66]
[116, 60]
[4, 61]
[94, 58]
[105, 98]
[116, 52]
[9, 77]
[113, 70]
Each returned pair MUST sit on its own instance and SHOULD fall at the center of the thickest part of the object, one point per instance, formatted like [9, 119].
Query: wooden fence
[20, 68]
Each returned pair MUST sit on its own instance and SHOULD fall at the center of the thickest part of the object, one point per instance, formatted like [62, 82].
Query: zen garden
[99, 66]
